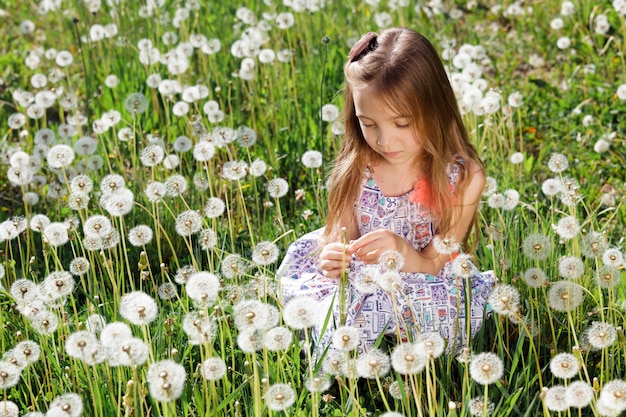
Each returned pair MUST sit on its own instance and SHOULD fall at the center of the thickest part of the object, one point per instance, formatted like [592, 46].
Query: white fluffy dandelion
[346, 338]
[409, 358]
[301, 312]
[564, 296]
[166, 380]
[213, 368]
[265, 253]
[278, 187]
[564, 365]
[486, 368]
[138, 308]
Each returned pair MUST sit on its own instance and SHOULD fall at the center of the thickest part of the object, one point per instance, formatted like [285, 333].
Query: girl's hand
[334, 258]
[368, 247]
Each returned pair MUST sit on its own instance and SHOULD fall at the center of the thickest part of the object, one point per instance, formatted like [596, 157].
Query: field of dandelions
[157, 158]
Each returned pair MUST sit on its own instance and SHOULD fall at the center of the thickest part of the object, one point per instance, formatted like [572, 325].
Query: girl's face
[388, 133]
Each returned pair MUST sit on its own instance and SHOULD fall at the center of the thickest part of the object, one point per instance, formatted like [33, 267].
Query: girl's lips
[391, 154]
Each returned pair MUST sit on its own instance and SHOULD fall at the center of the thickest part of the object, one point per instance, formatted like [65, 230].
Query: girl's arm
[369, 247]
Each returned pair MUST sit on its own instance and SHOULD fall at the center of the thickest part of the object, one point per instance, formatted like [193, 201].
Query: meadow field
[158, 157]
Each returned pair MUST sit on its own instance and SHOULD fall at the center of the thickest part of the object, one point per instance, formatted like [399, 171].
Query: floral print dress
[424, 303]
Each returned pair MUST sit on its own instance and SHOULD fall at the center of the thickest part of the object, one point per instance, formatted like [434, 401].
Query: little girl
[403, 194]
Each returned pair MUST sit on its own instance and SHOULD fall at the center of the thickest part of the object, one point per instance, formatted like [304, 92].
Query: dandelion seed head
[505, 299]
[558, 163]
[433, 343]
[373, 364]
[312, 159]
[258, 168]
[140, 235]
[207, 239]
[389, 281]
[445, 245]
[214, 207]
[138, 308]
[594, 244]
[265, 253]
[56, 234]
[564, 365]
[318, 383]
[277, 187]
[613, 396]
[365, 280]
[199, 327]
[279, 397]
[555, 398]
[10, 374]
[253, 314]
[155, 191]
[537, 246]
[600, 335]
[300, 312]
[567, 227]
[535, 277]
[188, 222]
[202, 287]
[477, 406]
[166, 380]
[235, 170]
[175, 185]
[564, 296]
[409, 358]
[213, 369]
[613, 257]
[167, 291]
[486, 368]
[57, 284]
[579, 394]
[346, 338]
[571, 267]
[250, 340]
[81, 344]
[278, 339]
[183, 273]
[391, 260]
[608, 277]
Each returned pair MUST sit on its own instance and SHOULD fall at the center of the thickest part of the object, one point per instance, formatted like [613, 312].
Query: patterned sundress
[425, 302]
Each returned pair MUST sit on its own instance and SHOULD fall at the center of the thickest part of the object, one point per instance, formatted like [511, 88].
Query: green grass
[570, 102]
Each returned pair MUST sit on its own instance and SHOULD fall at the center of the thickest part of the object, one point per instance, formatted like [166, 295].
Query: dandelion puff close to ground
[346, 338]
[564, 296]
[300, 312]
[213, 368]
[279, 397]
[166, 380]
[409, 358]
[138, 308]
[505, 299]
[555, 398]
[564, 365]
[537, 246]
[579, 394]
[486, 368]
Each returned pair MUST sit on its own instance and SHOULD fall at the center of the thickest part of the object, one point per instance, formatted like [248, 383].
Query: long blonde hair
[402, 68]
